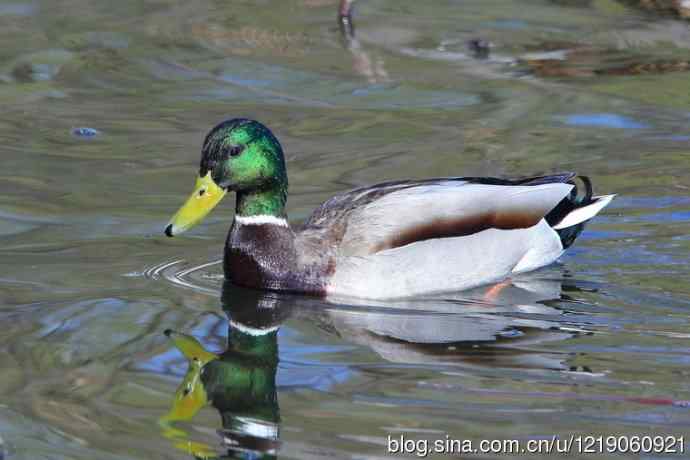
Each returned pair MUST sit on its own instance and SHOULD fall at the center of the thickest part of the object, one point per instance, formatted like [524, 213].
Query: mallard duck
[395, 239]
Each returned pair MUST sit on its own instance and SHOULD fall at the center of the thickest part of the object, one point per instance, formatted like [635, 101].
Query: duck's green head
[239, 155]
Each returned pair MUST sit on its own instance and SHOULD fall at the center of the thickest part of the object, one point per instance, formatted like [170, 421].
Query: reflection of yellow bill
[190, 396]
[206, 196]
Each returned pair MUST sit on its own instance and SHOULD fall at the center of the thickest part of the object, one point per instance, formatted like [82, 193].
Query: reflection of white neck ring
[252, 330]
[256, 428]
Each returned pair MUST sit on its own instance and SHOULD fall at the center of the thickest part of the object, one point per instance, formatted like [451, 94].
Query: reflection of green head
[244, 156]
[240, 383]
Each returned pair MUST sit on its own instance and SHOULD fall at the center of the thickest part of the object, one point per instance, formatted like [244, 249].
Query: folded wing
[444, 209]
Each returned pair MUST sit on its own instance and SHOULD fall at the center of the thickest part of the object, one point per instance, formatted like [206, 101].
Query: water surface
[104, 107]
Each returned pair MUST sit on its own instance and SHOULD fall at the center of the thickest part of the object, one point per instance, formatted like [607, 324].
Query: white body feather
[406, 239]
[449, 263]
[446, 264]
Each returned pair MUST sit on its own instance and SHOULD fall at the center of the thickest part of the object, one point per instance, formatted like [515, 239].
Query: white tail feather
[584, 213]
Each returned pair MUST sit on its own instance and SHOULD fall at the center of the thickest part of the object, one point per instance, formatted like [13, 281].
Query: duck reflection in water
[240, 382]
[493, 327]
[497, 326]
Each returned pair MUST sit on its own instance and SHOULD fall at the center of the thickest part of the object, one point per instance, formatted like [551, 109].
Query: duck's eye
[235, 150]
[201, 193]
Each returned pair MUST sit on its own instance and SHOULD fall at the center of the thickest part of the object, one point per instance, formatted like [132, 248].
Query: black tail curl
[567, 205]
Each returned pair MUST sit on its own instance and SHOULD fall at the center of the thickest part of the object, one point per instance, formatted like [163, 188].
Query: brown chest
[264, 257]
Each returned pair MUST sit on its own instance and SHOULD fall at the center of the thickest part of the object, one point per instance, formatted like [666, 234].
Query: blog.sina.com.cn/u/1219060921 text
[581, 444]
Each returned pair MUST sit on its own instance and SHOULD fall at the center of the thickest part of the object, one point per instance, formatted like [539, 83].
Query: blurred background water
[103, 109]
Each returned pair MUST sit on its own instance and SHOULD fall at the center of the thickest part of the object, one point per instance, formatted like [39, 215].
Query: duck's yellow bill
[206, 196]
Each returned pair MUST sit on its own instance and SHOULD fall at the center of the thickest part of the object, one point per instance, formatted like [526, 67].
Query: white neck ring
[262, 219]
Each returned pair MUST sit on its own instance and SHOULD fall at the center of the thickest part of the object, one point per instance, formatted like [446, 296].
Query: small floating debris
[479, 47]
[84, 132]
[510, 334]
